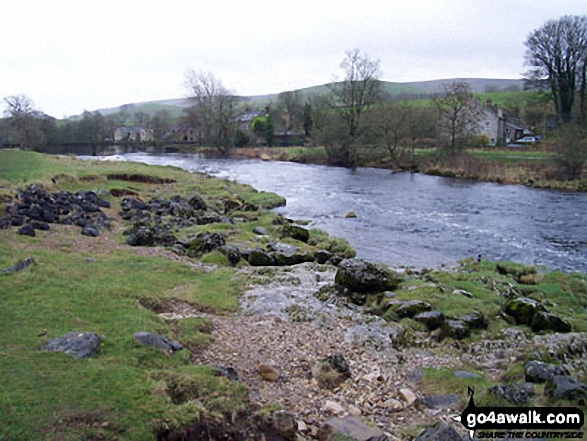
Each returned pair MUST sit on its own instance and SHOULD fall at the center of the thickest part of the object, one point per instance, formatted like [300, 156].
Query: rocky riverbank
[235, 322]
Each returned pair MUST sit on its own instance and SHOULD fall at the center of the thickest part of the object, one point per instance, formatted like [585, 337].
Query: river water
[414, 219]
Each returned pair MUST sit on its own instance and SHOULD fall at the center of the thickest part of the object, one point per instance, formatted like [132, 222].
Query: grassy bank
[102, 285]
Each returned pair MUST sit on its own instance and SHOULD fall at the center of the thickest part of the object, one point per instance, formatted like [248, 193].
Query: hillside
[175, 106]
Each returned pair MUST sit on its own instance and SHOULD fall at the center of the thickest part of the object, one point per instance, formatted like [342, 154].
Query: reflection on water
[414, 219]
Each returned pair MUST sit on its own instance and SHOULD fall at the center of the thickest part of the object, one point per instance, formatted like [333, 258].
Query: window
[487, 126]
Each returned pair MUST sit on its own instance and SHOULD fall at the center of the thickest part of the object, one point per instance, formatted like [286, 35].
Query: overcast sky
[76, 55]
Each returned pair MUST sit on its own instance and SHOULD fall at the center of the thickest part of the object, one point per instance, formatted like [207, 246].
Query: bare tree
[351, 97]
[458, 116]
[213, 107]
[392, 124]
[24, 121]
[291, 103]
[557, 54]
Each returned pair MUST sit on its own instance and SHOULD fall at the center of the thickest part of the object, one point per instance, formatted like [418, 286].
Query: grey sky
[74, 55]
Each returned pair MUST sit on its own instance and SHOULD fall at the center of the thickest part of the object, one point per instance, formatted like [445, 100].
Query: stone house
[499, 127]
[133, 134]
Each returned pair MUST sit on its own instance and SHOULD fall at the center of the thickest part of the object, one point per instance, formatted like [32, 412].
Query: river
[413, 219]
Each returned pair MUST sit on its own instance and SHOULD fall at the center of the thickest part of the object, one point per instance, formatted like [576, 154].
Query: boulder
[285, 424]
[260, 258]
[540, 372]
[141, 237]
[456, 329]
[523, 309]
[565, 387]
[474, 320]
[198, 203]
[206, 242]
[412, 308]
[439, 432]
[157, 341]
[351, 428]
[514, 393]
[90, 230]
[260, 231]
[359, 275]
[448, 401]
[233, 254]
[76, 344]
[128, 204]
[431, 319]
[296, 232]
[545, 321]
[223, 371]
[40, 225]
[27, 230]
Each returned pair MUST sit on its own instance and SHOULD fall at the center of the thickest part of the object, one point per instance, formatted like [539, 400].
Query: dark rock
[260, 231]
[539, 372]
[90, 230]
[296, 232]
[412, 308]
[475, 320]
[17, 221]
[141, 237]
[545, 321]
[431, 319]
[260, 258]
[198, 203]
[439, 432]
[27, 230]
[332, 371]
[228, 372]
[523, 309]
[285, 424]
[285, 255]
[565, 387]
[76, 344]
[365, 277]
[455, 329]
[322, 256]
[448, 401]
[232, 205]
[206, 242]
[158, 341]
[39, 225]
[128, 204]
[350, 427]
[23, 264]
[179, 249]
[233, 254]
[515, 394]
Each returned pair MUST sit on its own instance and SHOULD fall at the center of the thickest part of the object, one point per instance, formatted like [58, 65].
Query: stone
[514, 393]
[296, 232]
[27, 230]
[439, 432]
[474, 320]
[128, 204]
[351, 428]
[23, 264]
[233, 254]
[447, 401]
[269, 371]
[351, 215]
[333, 407]
[332, 371]
[285, 424]
[260, 231]
[260, 258]
[157, 341]
[565, 387]
[365, 277]
[545, 321]
[223, 371]
[408, 396]
[76, 344]
[90, 230]
[540, 372]
[456, 329]
[523, 309]
[412, 308]
[206, 242]
[141, 237]
[322, 256]
[198, 203]
[462, 292]
[431, 319]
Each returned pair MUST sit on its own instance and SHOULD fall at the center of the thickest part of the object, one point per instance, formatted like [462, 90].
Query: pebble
[333, 408]
[269, 371]
[407, 395]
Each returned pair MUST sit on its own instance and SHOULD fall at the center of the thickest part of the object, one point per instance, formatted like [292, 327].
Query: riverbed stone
[76, 344]
[296, 232]
[359, 275]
